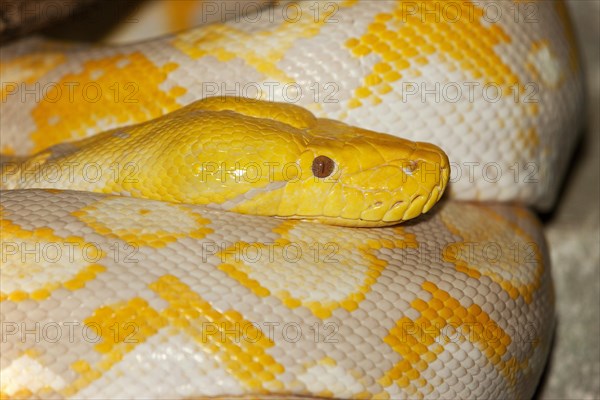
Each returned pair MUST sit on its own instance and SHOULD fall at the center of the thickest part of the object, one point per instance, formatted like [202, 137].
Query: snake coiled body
[166, 299]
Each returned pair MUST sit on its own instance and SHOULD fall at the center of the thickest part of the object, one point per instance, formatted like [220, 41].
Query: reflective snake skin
[108, 297]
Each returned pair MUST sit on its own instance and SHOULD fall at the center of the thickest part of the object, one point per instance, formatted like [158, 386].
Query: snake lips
[251, 157]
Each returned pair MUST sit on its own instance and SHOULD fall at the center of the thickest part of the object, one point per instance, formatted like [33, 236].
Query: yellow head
[270, 159]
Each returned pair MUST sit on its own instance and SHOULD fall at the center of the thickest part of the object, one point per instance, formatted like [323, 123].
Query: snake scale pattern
[111, 296]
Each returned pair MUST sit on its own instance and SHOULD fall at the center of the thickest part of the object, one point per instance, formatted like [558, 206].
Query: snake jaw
[401, 189]
[380, 196]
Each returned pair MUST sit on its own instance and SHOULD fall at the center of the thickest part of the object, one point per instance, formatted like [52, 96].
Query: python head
[275, 159]
[259, 158]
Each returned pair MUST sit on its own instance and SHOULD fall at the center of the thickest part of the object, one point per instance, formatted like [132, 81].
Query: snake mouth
[401, 189]
[422, 203]
[419, 204]
[400, 194]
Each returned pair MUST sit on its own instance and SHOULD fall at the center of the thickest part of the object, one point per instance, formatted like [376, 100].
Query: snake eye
[322, 166]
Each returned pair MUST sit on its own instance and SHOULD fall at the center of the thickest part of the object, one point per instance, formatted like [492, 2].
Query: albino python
[133, 292]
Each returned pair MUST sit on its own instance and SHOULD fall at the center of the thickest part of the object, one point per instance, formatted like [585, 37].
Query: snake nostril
[410, 167]
[377, 204]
